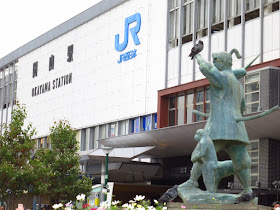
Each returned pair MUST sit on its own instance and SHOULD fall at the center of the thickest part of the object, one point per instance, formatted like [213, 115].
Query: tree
[62, 183]
[16, 144]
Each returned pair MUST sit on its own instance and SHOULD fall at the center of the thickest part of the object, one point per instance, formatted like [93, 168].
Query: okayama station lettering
[56, 83]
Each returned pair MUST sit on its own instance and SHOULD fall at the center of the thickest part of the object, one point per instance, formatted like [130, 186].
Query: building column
[194, 33]
[103, 167]
[243, 8]
[261, 30]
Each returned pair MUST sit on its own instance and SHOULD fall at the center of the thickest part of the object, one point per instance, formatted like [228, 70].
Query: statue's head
[223, 60]
[199, 134]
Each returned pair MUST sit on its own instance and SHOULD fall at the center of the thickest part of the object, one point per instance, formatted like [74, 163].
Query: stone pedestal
[180, 206]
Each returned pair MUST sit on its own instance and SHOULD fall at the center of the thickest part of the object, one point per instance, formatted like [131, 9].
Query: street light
[107, 151]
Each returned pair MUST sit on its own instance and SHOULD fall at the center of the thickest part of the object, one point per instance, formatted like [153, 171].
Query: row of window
[89, 136]
[234, 16]
[70, 51]
[181, 105]
[8, 85]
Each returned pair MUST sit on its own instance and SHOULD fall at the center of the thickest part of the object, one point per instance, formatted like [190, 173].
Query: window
[155, 121]
[199, 98]
[172, 111]
[103, 131]
[181, 109]
[135, 125]
[253, 150]
[252, 92]
[190, 98]
[124, 127]
[70, 51]
[35, 69]
[8, 85]
[147, 123]
[51, 62]
[174, 22]
[113, 129]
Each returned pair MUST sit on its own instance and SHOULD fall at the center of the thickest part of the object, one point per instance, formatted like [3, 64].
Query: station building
[119, 72]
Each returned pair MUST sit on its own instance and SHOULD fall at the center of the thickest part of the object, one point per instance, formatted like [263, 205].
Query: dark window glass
[199, 96]
[35, 69]
[172, 102]
[70, 51]
[171, 117]
[51, 62]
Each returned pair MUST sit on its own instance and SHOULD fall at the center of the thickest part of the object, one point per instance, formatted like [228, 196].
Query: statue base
[240, 206]
[196, 195]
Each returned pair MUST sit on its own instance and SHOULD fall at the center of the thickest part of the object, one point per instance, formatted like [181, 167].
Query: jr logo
[136, 17]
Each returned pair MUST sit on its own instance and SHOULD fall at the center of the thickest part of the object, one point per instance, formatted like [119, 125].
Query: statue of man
[226, 105]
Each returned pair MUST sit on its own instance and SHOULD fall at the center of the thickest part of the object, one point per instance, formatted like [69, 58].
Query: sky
[23, 20]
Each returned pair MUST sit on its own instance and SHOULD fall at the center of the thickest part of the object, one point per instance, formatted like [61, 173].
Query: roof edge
[74, 22]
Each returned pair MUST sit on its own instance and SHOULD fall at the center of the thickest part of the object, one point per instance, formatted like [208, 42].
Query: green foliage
[60, 177]
[16, 144]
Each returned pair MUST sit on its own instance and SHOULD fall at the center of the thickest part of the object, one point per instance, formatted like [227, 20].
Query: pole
[106, 176]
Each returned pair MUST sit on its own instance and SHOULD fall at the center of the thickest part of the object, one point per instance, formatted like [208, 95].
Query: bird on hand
[196, 49]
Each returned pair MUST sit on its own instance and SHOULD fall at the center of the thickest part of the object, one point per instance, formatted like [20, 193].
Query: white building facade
[119, 72]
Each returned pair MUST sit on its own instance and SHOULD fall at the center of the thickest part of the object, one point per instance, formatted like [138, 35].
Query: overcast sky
[23, 20]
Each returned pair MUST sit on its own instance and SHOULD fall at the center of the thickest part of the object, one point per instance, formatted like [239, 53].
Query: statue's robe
[227, 104]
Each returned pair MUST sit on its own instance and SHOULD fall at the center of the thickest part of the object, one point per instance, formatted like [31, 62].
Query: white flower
[139, 197]
[151, 208]
[25, 191]
[141, 208]
[164, 208]
[105, 204]
[81, 197]
[131, 201]
[60, 205]
[56, 206]
[155, 201]
[130, 206]
[115, 203]
[125, 205]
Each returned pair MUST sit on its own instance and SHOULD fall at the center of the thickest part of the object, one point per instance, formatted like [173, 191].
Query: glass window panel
[254, 168]
[155, 125]
[113, 130]
[181, 101]
[254, 155]
[252, 97]
[254, 145]
[199, 96]
[252, 78]
[254, 179]
[202, 14]
[172, 101]
[207, 94]
[252, 87]
[251, 108]
[147, 123]
[199, 108]
[123, 127]
[190, 98]
[172, 118]
[181, 116]
[188, 19]
[136, 125]
[207, 107]
[181, 105]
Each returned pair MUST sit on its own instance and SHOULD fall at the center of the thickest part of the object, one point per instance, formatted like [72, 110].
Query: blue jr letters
[133, 31]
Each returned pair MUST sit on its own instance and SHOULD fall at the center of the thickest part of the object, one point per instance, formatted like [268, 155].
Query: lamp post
[107, 151]
[276, 185]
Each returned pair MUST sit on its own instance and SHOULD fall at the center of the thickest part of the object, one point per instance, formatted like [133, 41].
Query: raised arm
[210, 71]
[239, 73]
